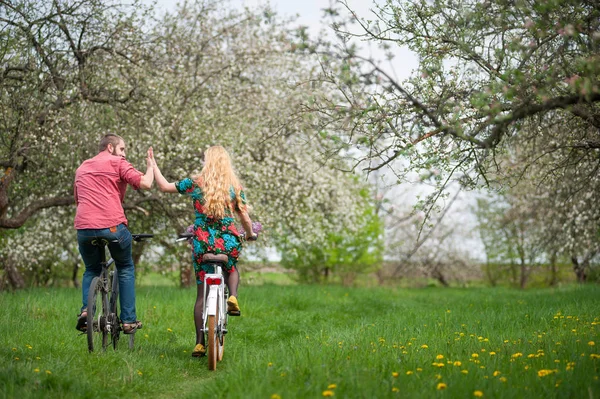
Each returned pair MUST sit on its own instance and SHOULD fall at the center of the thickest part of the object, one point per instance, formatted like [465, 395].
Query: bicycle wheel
[221, 327]
[212, 342]
[97, 333]
[114, 322]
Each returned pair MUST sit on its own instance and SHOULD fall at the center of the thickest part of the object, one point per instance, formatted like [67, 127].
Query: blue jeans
[121, 253]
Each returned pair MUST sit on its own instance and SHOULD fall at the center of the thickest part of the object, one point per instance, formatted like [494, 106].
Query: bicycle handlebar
[185, 236]
[140, 237]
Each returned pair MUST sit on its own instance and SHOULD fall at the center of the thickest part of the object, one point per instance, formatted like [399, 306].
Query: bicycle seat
[210, 257]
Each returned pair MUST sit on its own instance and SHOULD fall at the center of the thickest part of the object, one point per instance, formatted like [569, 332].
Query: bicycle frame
[215, 297]
[214, 317]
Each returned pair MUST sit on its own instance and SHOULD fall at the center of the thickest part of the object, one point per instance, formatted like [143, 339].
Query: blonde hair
[216, 180]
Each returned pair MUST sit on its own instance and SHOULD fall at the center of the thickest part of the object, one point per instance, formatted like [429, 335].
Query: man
[100, 185]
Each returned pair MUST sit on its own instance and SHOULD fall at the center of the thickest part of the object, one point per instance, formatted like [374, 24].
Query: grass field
[313, 341]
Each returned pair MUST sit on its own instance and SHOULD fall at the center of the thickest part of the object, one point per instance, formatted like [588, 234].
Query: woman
[216, 195]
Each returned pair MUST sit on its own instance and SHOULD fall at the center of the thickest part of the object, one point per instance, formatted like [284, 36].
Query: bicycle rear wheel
[97, 332]
[212, 342]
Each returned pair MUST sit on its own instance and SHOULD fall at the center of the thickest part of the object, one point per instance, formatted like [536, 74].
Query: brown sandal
[131, 328]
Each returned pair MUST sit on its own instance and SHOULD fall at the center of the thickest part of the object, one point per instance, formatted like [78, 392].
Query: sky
[309, 13]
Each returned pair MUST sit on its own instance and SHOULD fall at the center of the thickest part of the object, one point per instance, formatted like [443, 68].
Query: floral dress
[219, 236]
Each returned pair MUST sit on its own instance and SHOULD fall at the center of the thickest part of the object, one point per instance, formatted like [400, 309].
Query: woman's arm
[161, 182]
[246, 223]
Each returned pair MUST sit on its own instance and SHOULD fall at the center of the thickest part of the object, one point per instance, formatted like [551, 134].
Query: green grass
[295, 341]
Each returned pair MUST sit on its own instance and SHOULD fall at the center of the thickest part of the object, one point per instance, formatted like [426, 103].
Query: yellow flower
[331, 386]
[464, 371]
[394, 389]
[545, 372]
[424, 347]
[439, 357]
[475, 355]
[328, 393]
[478, 394]
[441, 386]
[409, 372]
[270, 364]
[275, 396]
[169, 330]
[457, 363]
[419, 369]
[516, 355]
[503, 379]
[48, 372]
[591, 343]
[36, 370]
[139, 372]
[595, 356]
[492, 353]
[395, 374]
[496, 373]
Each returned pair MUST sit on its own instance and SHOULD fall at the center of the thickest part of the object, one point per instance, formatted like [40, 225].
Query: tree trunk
[74, 276]
[185, 276]
[14, 277]
[579, 270]
[553, 271]
[439, 276]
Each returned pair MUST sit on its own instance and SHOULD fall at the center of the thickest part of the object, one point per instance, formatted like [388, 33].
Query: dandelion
[595, 356]
[409, 372]
[395, 374]
[591, 343]
[270, 364]
[457, 363]
[48, 372]
[441, 386]
[439, 357]
[478, 394]
[424, 346]
[332, 386]
[169, 330]
[516, 355]
[496, 373]
[36, 370]
[545, 372]
[328, 393]
[419, 369]
[464, 371]
[275, 396]
[16, 358]
[139, 372]
[475, 355]
[394, 389]
[502, 379]
[38, 358]
[29, 346]
[492, 353]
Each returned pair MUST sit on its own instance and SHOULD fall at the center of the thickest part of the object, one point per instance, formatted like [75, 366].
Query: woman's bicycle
[102, 314]
[214, 313]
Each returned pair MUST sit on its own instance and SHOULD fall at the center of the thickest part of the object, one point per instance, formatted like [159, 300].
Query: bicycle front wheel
[115, 324]
[97, 333]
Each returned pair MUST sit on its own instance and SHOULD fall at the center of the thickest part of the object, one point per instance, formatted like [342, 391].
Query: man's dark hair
[109, 139]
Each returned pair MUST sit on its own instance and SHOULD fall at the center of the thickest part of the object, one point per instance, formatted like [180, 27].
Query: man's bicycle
[102, 314]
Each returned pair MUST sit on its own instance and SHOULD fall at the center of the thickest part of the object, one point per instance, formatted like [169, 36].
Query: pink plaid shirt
[100, 185]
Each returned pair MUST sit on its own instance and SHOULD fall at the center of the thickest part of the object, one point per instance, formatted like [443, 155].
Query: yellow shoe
[199, 351]
[233, 309]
